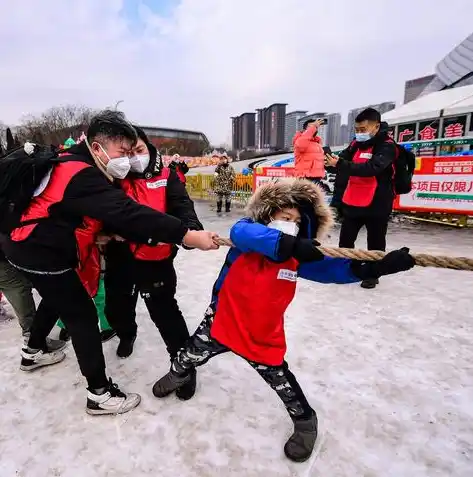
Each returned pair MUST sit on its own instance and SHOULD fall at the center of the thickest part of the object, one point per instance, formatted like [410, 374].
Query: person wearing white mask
[272, 247]
[56, 237]
[364, 186]
[132, 268]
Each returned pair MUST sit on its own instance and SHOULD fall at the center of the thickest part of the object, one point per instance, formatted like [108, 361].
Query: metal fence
[202, 187]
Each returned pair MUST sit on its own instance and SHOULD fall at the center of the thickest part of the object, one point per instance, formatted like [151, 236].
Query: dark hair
[369, 114]
[110, 124]
[306, 123]
[141, 134]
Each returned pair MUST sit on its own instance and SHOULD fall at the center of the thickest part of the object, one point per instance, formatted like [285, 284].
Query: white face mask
[139, 163]
[289, 228]
[118, 167]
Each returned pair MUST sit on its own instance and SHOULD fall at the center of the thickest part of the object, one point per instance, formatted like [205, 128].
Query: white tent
[452, 101]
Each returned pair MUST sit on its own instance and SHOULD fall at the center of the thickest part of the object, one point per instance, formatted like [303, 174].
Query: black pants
[228, 201]
[201, 347]
[64, 295]
[156, 282]
[376, 228]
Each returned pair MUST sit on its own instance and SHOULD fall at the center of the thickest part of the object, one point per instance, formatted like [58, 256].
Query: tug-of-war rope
[421, 259]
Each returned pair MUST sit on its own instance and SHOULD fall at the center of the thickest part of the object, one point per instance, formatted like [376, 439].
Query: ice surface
[389, 370]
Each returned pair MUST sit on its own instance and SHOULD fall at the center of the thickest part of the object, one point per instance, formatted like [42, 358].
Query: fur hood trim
[289, 193]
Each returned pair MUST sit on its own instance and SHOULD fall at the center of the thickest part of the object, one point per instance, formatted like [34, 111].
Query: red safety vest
[249, 318]
[88, 252]
[360, 190]
[152, 193]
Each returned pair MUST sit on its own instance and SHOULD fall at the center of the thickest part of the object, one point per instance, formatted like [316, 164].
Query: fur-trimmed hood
[288, 193]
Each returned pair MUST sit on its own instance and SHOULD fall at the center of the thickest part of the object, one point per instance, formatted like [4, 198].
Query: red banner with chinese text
[440, 184]
[269, 174]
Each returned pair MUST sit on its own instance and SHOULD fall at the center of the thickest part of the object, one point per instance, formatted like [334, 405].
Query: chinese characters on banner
[406, 132]
[428, 131]
[442, 184]
[454, 127]
[270, 174]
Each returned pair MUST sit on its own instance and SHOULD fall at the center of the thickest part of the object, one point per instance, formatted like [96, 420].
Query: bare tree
[56, 124]
[3, 137]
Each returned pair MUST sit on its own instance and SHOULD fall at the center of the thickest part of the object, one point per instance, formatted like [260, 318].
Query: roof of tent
[452, 101]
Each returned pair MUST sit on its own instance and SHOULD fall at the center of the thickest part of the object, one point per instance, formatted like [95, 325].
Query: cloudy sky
[194, 63]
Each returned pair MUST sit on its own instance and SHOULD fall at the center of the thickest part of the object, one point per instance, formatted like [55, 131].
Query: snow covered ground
[390, 371]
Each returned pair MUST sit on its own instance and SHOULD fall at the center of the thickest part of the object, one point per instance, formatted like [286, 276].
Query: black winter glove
[394, 262]
[305, 250]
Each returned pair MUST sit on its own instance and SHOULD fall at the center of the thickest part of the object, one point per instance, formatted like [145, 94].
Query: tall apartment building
[334, 124]
[244, 132]
[382, 108]
[343, 139]
[414, 87]
[292, 122]
[271, 127]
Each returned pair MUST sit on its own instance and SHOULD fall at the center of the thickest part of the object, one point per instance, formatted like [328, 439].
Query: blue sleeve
[249, 236]
[328, 270]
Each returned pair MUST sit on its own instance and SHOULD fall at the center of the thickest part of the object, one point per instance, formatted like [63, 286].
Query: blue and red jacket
[254, 289]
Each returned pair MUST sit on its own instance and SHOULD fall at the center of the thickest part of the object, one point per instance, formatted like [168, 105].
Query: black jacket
[182, 166]
[52, 245]
[379, 166]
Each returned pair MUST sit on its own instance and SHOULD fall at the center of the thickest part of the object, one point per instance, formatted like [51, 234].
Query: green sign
[441, 142]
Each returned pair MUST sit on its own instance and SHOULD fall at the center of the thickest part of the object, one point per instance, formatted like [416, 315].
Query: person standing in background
[309, 155]
[178, 165]
[364, 187]
[224, 179]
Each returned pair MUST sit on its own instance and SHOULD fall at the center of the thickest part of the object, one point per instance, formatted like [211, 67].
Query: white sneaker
[112, 401]
[31, 361]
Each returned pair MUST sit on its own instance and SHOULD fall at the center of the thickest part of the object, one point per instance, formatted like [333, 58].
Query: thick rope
[422, 260]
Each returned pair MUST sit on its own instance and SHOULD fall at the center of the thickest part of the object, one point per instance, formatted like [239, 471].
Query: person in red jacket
[272, 248]
[131, 268]
[308, 152]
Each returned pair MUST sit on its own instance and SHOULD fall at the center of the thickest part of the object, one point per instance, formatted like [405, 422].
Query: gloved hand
[394, 262]
[305, 250]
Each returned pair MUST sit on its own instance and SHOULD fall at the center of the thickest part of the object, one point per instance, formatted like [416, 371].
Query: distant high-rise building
[343, 139]
[292, 121]
[414, 87]
[244, 132]
[334, 123]
[271, 127]
[382, 108]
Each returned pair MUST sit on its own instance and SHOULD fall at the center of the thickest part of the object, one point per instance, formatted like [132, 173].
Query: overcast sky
[194, 63]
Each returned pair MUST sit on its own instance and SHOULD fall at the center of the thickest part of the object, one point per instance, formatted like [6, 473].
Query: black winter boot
[219, 206]
[300, 445]
[369, 284]
[187, 391]
[169, 383]
[125, 347]
[228, 206]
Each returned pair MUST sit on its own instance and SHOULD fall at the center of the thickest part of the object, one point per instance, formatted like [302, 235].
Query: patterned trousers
[201, 347]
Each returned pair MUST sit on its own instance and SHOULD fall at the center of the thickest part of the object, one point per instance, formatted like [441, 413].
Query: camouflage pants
[202, 347]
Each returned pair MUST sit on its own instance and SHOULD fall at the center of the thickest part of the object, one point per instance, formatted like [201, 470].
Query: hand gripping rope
[421, 259]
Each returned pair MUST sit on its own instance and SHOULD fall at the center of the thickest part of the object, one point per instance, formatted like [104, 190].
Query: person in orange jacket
[308, 152]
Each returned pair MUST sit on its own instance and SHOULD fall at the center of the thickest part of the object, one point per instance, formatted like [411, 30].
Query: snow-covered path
[390, 372]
